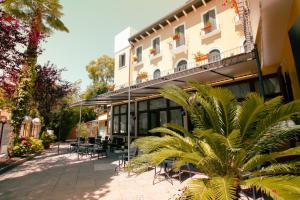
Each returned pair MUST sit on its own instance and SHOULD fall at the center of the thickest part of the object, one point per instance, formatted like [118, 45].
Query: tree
[101, 70]
[42, 17]
[94, 90]
[49, 91]
[13, 40]
[237, 145]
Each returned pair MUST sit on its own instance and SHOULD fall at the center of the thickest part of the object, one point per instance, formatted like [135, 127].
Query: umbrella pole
[78, 132]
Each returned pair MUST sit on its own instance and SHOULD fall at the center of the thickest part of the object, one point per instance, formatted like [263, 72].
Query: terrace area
[53, 176]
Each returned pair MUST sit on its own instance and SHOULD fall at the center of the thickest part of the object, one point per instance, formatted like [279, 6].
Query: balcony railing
[192, 64]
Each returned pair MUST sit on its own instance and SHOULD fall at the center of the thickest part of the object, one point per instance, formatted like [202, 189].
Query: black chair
[92, 140]
[117, 143]
[102, 149]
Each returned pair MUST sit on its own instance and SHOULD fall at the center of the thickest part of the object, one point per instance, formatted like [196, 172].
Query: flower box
[143, 75]
[176, 36]
[207, 26]
[152, 51]
[200, 57]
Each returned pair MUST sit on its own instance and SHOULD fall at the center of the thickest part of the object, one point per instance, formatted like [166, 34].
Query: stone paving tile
[64, 177]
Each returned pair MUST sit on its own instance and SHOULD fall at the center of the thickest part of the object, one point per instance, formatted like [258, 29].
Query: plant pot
[47, 146]
[176, 37]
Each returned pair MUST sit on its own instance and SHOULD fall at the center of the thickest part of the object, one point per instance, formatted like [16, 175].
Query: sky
[93, 25]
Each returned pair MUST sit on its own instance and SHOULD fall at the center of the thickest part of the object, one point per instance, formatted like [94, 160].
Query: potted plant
[200, 57]
[111, 87]
[176, 36]
[135, 58]
[47, 139]
[207, 26]
[143, 75]
[152, 51]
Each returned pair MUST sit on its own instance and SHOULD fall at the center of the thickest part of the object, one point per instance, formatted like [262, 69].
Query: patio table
[85, 147]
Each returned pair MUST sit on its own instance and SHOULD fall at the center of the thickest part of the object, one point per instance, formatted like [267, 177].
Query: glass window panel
[116, 124]
[123, 108]
[181, 41]
[143, 123]
[142, 105]
[156, 45]
[214, 56]
[116, 109]
[240, 90]
[158, 103]
[182, 65]
[271, 86]
[210, 23]
[156, 74]
[162, 118]
[176, 117]
[153, 120]
[123, 123]
[139, 54]
[173, 104]
[122, 60]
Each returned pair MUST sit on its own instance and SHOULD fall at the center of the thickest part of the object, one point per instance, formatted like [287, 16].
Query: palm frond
[277, 187]
[199, 190]
[280, 114]
[261, 159]
[177, 95]
[225, 188]
[277, 169]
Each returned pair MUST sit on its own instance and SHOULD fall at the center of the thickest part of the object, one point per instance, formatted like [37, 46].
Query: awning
[230, 67]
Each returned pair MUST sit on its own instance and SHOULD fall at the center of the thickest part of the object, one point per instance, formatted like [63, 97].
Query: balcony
[231, 63]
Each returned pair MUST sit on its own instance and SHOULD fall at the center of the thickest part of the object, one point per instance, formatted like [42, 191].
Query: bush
[47, 139]
[26, 145]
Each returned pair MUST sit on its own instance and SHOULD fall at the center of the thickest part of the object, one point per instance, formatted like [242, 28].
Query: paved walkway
[59, 177]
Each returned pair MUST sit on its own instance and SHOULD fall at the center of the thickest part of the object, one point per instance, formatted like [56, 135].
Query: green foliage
[26, 145]
[94, 90]
[70, 119]
[47, 138]
[101, 69]
[230, 144]
[21, 100]
[84, 131]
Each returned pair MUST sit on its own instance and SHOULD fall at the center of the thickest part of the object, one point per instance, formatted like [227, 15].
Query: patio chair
[167, 167]
[101, 149]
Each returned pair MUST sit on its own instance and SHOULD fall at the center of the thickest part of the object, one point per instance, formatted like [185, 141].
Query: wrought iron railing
[192, 64]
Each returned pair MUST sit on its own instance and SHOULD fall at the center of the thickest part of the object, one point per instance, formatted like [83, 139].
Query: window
[176, 117]
[143, 123]
[122, 60]
[181, 41]
[156, 45]
[214, 56]
[139, 54]
[120, 119]
[239, 89]
[156, 74]
[210, 22]
[182, 65]
[158, 103]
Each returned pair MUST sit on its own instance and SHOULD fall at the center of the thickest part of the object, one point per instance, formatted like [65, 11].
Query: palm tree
[237, 145]
[42, 16]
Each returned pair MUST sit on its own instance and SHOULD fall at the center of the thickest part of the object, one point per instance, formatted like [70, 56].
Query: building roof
[188, 7]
